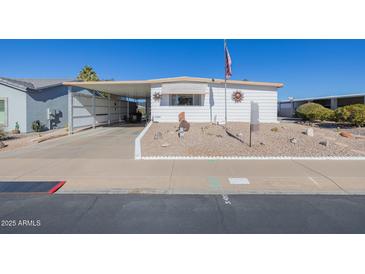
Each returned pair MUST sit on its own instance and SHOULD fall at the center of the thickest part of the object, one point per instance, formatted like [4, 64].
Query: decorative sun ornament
[237, 96]
[156, 96]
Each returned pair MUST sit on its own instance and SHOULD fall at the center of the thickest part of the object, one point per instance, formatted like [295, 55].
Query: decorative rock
[274, 129]
[324, 143]
[2, 145]
[158, 135]
[293, 141]
[309, 132]
[346, 134]
[165, 144]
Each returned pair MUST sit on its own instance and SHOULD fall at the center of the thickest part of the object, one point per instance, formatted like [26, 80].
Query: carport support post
[70, 111]
[93, 109]
[120, 110]
[127, 98]
[109, 109]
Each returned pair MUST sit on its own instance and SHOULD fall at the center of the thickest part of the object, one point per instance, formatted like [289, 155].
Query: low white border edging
[137, 142]
[248, 158]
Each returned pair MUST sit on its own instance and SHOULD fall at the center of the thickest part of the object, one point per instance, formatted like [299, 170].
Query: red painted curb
[56, 187]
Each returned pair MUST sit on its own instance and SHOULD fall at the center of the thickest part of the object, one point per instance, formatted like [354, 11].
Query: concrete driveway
[101, 161]
[115, 142]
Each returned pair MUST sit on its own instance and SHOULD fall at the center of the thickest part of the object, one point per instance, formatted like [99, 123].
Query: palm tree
[87, 74]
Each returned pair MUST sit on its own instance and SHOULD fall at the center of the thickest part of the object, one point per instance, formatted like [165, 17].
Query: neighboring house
[202, 99]
[47, 100]
[287, 108]
[27, 100]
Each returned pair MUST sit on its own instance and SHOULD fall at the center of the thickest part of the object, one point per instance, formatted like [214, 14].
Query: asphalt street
[154, 213]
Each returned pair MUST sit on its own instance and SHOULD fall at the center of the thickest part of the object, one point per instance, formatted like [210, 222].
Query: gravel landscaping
[280, 139]
[16, 141]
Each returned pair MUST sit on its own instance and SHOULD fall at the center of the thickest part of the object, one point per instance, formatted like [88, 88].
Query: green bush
[37, 126]
[2, 133]
[313, 112]
[353, 114]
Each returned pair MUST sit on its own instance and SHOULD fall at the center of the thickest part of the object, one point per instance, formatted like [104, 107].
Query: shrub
[313, 111]
[2, 133]
[353, 114]
[37, 126]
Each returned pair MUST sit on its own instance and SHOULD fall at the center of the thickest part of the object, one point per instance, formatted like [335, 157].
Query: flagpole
[225, 84]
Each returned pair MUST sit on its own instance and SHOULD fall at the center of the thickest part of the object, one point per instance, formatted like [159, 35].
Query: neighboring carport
[91, 110]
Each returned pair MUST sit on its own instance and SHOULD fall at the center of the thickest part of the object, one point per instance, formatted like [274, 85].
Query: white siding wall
[16, 107]
[213, 105]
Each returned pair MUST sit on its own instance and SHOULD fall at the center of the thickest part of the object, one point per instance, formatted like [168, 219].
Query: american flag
[228, 65]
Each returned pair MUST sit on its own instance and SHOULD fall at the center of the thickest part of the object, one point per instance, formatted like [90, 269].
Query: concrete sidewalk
[100, 161]
[191, 177]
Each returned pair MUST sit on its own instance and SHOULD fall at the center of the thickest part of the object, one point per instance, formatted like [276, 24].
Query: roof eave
[12, 85]
[178, 79]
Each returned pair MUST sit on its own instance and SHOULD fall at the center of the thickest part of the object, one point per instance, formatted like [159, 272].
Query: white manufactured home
[202, 99]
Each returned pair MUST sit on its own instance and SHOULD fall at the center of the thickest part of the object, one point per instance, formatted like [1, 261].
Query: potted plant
[16, 130]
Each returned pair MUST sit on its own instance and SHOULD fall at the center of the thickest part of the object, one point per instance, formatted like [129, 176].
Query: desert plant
[2, 133]
[37, 126]
[16, 129]
[313, 112]
[353, 114]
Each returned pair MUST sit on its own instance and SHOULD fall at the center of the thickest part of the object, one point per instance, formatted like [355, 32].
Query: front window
[185, 100]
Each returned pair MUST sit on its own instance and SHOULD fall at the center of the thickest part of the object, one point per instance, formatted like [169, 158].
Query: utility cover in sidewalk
[49, 187]
[238, 181]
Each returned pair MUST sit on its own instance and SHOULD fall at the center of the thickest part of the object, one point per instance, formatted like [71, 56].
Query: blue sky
[306, 67]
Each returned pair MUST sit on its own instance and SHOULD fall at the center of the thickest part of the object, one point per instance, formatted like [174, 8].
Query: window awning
[184, 88]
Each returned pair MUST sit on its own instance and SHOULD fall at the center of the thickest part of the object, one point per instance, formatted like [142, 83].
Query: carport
[89, 109]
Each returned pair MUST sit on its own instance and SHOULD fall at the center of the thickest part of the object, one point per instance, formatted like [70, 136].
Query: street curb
[360, 158]
[56, 187]
[252, 192]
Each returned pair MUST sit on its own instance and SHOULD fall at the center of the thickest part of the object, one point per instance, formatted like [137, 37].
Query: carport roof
[142, 88]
